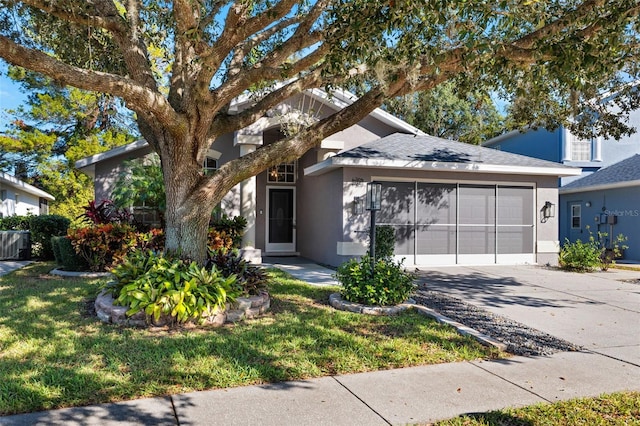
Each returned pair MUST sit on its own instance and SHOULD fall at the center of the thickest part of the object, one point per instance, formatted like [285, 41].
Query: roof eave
[87, 164]
[14, 182]
[367, 163]
[343, 98]
[491, 142]
[588, 188]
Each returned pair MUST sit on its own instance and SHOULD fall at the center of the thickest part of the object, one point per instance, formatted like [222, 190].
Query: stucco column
[248, 203]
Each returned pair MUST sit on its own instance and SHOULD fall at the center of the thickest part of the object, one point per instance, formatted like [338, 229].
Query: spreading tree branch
[137, 96]
[80, 14]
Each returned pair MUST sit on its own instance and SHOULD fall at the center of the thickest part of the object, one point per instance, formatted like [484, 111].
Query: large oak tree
[178, 65]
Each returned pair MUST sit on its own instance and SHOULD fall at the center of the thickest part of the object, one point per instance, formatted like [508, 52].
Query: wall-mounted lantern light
[587, 204]
[548, 210]
[358, 205]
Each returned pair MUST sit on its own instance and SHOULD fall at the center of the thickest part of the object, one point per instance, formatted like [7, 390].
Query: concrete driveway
[599, 311]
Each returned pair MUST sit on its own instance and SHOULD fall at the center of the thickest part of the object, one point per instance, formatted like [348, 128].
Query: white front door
[281, 219]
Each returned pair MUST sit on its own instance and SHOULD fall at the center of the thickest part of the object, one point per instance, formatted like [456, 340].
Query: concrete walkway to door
[599, 311]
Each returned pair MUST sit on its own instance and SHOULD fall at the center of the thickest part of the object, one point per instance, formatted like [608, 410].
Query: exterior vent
[15, 245]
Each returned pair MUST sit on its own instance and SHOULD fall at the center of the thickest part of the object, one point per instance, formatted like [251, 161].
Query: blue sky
[10, 95]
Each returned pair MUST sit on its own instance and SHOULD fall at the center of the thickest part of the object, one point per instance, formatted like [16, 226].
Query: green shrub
[387, 284]
[42, 229]
[103, 245]
[153, 239]
[160, 286]
[579, 256]
[66, 256]
[227, 228]
[55, 247]
[591, 255]
[251, 279]
[15, 223]
[385, 242]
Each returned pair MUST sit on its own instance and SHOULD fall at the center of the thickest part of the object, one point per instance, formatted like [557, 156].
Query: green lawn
[53, 353]
[621, 408]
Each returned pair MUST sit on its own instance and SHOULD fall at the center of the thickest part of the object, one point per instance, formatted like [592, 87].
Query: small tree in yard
[179, 64]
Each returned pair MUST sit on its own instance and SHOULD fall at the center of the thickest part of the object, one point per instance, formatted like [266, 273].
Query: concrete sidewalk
[7, 266]
[428, 393]
[409, 395]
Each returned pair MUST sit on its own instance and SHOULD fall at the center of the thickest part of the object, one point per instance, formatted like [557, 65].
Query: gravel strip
[520, 339]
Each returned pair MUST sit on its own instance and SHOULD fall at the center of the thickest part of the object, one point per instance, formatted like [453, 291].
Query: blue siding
[620, 202]
[542, 144]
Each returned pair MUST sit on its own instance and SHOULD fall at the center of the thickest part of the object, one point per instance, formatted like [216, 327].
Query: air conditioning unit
[15, 245]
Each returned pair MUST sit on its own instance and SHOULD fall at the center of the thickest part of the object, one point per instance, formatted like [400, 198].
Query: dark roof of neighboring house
[619, 174]
[428, 152]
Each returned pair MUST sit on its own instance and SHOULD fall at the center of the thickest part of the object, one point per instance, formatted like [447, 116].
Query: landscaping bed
[56, 353]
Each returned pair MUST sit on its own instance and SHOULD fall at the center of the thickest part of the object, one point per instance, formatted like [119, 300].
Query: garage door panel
[436, 239]
[443, 224]
[515, 239]
[398, 203]
[436, 203]
[405, 240]
[477, 205]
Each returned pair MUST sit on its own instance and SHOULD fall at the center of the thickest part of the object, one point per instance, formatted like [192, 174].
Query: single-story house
[19, 198]
[449, 202]
[606, 201]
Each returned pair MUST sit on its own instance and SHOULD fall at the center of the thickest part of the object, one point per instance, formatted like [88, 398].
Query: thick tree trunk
[188, 210]
[186, 230]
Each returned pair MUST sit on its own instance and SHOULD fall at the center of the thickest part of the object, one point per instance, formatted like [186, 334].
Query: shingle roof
[405, 147]
[627, 170]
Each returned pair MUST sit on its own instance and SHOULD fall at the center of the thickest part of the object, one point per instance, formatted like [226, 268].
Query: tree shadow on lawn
[53, 355]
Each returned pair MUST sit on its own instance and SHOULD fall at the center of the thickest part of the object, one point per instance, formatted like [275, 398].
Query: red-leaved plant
[105, 212]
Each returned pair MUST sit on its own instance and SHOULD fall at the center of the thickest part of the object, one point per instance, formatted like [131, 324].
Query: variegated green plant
[161, 286]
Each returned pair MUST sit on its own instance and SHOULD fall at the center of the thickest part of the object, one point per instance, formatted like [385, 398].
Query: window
[210, 165]
[575, 216]
[3, 195]
[580, 148]
[282, 173]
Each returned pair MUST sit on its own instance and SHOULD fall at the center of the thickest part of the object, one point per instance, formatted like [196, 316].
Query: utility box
[15, 245]
[612, 220]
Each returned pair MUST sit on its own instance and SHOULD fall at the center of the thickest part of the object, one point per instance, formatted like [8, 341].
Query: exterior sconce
[549, 210]
[587, 204]
[358, 205]
[374, 196]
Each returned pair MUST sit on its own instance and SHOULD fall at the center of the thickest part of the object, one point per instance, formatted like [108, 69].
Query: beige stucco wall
[355, 227]
[107, 172]
[319, 215]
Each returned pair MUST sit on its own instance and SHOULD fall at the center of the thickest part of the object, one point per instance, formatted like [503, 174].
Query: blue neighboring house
[608, 201]
[609, 185]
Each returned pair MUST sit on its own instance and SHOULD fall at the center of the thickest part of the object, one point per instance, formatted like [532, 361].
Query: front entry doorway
[281, 219]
